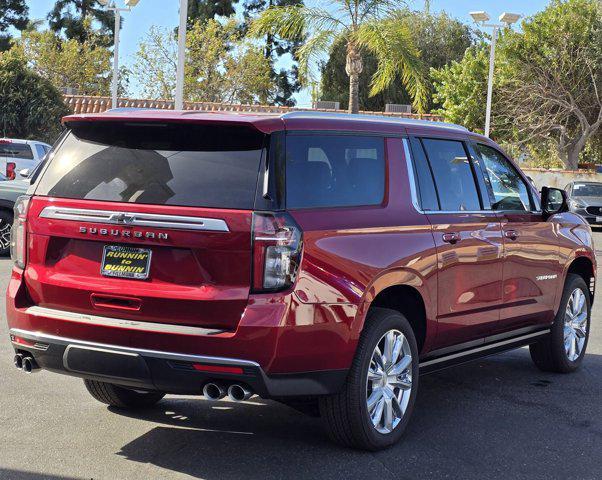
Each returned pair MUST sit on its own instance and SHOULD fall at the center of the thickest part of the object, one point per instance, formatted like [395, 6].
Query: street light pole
[179, 100]
[490, 80]
[480, 18]
[115, 83]
[111, 5]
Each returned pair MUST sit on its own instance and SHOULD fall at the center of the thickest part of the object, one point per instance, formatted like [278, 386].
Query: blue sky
[165, 13]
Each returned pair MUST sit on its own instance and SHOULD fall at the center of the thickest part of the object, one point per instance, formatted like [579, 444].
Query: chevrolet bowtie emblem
[122, 218]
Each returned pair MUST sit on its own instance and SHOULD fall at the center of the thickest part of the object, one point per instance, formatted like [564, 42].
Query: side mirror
[553, 200]
[24, 173]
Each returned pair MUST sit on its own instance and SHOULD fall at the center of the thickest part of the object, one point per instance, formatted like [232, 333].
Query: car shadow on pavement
[499, 417]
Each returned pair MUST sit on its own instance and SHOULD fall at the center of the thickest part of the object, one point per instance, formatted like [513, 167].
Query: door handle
[511, 234]
[451, 238]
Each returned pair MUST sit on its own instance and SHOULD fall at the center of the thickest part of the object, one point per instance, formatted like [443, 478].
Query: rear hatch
[146, 221]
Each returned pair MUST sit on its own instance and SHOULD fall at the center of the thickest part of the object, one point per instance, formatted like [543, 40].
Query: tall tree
[221, 66]
[286, 81]
[67, 63]
[440, 40]
[554, 82]
[13, 13]
[203, 10]
[69, 16]
[365, 25]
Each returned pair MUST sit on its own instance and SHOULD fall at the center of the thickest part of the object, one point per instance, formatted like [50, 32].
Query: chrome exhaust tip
[29, 365]
[239, 393]
[18, 361]
[214, 391]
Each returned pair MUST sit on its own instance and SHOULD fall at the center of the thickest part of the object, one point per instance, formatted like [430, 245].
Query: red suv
[319, 260]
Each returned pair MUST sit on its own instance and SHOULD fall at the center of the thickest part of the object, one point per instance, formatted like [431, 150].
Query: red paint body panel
[482, 285]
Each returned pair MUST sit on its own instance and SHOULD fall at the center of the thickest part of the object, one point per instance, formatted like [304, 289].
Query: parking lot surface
[495, 418]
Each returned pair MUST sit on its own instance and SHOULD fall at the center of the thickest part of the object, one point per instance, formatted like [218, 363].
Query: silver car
[585, 198]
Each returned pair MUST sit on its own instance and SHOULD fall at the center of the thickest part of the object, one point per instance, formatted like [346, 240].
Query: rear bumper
[166, 371]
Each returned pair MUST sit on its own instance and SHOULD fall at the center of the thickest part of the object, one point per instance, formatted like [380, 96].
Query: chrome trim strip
[411, 176]
[119, 322]
[181, 357]
[135, 219]
[490, 346]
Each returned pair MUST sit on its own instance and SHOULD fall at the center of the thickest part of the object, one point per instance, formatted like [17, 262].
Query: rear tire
[374, 407]
[6, 222]
[122, 397]
[563, 350]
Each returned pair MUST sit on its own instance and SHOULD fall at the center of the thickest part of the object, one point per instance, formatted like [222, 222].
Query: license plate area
[598, 219]
[125, 262]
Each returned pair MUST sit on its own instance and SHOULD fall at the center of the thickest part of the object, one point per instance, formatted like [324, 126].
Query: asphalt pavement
[497, 418]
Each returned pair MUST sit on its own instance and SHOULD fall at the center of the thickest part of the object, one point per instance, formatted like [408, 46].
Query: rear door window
[334, 170]
[16, 150]
[171, 164]
[41, 151]
[453, 175]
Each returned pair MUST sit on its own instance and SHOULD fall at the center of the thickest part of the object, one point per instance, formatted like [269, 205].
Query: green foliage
[71, 18]
[13, 13]
[84, 66]
[221, 66]
[461, 89]
[30, 106]
[364, 25]
[203, 10]
[439, 40]
[286, 81]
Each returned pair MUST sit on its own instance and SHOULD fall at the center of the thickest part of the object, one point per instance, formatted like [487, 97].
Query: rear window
[334, 171]
[171, 164]
[16, 150]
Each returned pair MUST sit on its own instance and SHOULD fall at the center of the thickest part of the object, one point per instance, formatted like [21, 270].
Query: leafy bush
[30, 106]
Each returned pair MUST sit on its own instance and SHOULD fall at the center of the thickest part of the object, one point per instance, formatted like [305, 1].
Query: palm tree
[70, 17]
[371, 25]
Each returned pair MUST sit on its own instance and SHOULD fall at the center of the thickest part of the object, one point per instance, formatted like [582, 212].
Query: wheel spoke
[401, 366]
[377, 358]
[580, 302]
[389, 345]
[377, 414]
[388, 413]
[375, 396]
[572, 347]
[397, 347]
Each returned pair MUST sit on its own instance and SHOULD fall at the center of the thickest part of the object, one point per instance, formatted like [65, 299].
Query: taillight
[10, 170]
[277, 245]
[18, 243]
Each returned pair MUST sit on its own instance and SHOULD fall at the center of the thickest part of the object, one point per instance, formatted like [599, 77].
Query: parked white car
[17, 155]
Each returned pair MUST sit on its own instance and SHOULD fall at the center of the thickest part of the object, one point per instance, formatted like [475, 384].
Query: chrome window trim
[182, 357]
[135, 219]
[414, 193]
[120, 322]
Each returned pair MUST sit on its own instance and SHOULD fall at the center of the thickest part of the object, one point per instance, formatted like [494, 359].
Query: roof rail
[372, 118]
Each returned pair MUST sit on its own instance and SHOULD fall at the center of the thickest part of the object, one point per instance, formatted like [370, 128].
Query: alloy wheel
[4, 235]
[575, 325]
[389, 384]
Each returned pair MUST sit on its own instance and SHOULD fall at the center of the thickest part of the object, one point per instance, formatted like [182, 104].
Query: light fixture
[509, 18]
[131, 3]
[480, 16]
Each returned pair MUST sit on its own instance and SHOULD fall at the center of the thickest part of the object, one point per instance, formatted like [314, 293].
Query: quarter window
[453, 175]
[334, 171]
[509, 190]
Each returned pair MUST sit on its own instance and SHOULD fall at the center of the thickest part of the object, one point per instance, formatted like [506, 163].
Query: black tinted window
[453, 175]
[15, 150]
[509, 190]
[173, 164]
[334, 171]
[422, 170]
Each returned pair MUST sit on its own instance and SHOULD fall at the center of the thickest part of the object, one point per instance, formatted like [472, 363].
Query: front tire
[374, 407]
[122, 397]
[563, 350]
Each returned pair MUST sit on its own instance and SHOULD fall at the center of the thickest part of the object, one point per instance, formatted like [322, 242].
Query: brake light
[10, 170]
[277, 246]
[18, 234]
